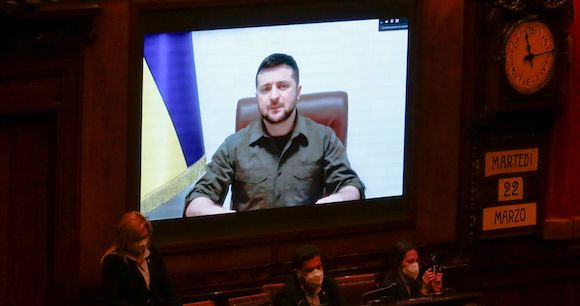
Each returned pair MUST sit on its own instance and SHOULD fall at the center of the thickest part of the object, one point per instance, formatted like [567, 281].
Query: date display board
[511, 189]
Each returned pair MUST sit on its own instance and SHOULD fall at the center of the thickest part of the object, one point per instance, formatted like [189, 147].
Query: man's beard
[285, 117]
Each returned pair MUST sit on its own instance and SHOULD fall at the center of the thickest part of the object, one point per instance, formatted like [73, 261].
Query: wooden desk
[446, 299]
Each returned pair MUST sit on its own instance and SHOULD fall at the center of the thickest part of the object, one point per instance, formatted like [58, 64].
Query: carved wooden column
[563, 215]
[40, 71]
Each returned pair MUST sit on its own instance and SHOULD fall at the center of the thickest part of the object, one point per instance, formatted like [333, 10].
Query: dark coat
[291, 294]
[397, 290]
[124, 285]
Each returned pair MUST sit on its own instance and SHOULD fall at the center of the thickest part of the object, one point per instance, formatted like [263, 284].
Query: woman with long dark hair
[405, 280]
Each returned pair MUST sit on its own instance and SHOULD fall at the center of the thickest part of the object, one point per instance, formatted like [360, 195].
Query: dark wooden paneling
[105, 136]
[29, 94]
[520, 271]
[40, 155]
[39, 187]
[26, 176]
[562, 292]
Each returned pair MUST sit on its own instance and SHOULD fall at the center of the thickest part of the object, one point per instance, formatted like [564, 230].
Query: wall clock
[530, 55]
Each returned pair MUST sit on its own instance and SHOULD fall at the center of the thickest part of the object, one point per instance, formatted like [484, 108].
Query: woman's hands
[432, 282]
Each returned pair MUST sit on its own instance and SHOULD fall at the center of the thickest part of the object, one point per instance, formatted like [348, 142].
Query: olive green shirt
[313, 164]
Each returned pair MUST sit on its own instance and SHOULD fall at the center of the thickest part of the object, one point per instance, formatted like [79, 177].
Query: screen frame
[283, 223]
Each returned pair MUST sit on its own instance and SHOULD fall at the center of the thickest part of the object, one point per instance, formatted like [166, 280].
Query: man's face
[277, 93]
[310, 265]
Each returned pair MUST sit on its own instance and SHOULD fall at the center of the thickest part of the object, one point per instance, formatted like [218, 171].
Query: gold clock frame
[530, 54]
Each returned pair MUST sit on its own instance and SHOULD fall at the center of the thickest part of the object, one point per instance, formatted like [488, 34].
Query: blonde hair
[128, 232]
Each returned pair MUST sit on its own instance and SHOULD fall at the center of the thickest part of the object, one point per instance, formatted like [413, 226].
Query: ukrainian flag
[172, 151]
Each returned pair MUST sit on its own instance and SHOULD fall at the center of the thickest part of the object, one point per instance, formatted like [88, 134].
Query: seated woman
[133, 273]
[405, 281]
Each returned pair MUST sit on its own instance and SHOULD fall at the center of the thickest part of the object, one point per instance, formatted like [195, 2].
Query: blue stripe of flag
[171, 61]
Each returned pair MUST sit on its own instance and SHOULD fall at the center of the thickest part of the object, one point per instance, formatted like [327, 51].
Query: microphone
[366, 294]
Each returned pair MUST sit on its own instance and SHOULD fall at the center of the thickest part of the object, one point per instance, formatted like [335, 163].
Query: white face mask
[412, 270]
[314, 278]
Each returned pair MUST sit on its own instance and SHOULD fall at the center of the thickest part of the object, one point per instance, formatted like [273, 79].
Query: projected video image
[192, 82]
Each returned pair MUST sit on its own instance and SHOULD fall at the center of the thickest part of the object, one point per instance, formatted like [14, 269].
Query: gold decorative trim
[172, 188]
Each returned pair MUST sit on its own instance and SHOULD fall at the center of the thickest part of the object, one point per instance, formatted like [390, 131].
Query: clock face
[530, 54]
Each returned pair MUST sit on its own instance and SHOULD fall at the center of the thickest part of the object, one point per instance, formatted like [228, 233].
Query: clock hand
[528, 46]
[542, 53]
[529, 57]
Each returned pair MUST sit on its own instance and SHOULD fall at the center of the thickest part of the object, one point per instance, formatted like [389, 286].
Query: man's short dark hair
[278, 59]
[303, 254]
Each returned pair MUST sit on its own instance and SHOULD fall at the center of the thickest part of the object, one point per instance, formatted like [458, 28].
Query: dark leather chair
[272, 289]
[327, 108]
[354, 286]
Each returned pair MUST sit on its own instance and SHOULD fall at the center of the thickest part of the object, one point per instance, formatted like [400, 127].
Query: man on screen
[282, 159]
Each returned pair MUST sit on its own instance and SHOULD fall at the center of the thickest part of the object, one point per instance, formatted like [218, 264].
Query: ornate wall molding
[43, 26]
